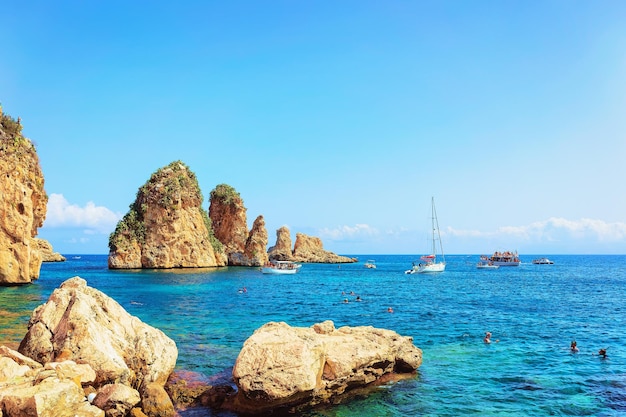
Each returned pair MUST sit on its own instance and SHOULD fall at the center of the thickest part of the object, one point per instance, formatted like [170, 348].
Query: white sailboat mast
[435, 225]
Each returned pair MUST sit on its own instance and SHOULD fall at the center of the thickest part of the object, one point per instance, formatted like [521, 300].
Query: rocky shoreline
[83, 354]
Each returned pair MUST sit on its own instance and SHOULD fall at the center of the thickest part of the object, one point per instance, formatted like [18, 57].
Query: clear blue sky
[338, 119]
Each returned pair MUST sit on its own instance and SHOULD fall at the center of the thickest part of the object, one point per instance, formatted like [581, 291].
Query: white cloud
[61, 213]
[347, 232]
[554, 229]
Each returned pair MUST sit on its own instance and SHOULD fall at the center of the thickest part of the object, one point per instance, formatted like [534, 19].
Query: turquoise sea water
[535, 311]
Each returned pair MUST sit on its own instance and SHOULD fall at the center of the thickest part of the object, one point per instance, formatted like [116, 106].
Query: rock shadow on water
[612, 392]
[518, 383]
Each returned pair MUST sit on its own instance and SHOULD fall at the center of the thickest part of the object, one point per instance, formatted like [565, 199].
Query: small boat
[371, 264]
[486, 264]
[542, 261]
[428, 263]
[503, 258]
[280, 267]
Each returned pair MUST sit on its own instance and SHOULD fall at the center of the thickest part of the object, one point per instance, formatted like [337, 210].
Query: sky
[337, 119]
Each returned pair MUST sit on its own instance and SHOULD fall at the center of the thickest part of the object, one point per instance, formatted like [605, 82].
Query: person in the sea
[602, 353]
[389, 310]
[573, 347]
[487, 338]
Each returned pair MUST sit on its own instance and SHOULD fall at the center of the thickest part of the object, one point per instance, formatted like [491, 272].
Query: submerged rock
[284, 367]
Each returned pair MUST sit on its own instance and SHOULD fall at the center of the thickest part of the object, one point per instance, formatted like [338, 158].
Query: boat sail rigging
[429, 263]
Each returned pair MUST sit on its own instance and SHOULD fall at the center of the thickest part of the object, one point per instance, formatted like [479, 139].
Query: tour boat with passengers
[280, 267]
[504, 258]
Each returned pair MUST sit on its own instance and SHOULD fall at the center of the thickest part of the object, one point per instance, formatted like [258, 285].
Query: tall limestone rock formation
[22, 204]
[306, 249]
[256, 244]
[166, 226]
[281, 251]
[228, 218]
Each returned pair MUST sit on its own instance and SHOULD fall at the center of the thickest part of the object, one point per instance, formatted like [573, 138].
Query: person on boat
[573, 347]
[487, 338]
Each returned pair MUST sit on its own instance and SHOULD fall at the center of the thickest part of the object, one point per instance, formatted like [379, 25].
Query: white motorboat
[371, 264]
[486, 265]
[429, 263]
[280, 267]
[542, 261]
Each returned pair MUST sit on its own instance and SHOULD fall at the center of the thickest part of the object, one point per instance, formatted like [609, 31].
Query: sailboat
[429, 263]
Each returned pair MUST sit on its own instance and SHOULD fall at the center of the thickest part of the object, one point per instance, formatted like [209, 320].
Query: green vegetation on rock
[130, 228]
[225, 193]
[218, 247]
[11, 135]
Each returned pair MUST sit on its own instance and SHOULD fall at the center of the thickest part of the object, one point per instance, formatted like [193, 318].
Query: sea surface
[533, 312]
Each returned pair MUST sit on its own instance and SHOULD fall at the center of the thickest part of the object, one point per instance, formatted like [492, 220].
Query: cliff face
[166, 226]
[228, 219]
[22, 205]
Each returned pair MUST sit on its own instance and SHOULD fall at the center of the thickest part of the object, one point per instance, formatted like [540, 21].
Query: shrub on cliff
[11, 139]
[10, 125]
[225, 193]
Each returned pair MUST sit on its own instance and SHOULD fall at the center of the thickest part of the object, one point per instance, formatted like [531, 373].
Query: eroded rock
[281, 366]
[82, 324]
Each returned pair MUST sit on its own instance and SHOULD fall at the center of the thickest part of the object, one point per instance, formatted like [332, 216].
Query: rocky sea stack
[166, 226]
[22, 204]
[306, 249]
[228, 218]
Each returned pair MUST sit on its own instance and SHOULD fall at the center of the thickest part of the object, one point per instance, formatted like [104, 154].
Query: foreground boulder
[82, 324]
[23, 204]
[283, 367]
[29, 389]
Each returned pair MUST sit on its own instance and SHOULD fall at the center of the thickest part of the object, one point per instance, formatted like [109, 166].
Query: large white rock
[82, 324]
[283, 366]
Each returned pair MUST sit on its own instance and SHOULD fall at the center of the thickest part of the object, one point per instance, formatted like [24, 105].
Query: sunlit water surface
[533, 311]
